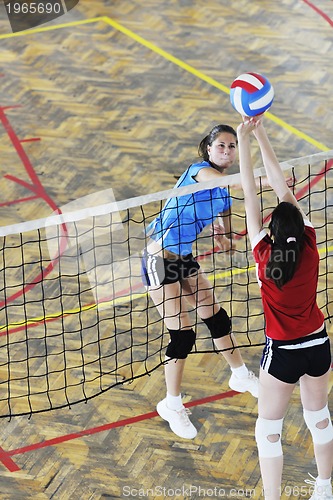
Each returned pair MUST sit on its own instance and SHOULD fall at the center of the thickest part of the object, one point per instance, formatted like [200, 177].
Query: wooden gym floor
[118, 95]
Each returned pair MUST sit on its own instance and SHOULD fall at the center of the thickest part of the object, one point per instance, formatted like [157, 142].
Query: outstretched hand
[249, 124]
[225, 244]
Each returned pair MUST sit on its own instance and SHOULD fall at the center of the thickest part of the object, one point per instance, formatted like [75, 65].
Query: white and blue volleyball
[251, 94]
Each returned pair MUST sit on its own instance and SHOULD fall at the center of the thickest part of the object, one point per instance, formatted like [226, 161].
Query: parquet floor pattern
[86, 105]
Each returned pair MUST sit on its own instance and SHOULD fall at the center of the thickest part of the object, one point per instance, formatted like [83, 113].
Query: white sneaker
[250, 383]
[178, 420]
[320, 492]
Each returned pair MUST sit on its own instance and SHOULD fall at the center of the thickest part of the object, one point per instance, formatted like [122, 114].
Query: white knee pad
[312, 418]
[264, 429]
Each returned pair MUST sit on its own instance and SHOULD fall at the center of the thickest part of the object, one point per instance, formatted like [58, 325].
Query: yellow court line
[111, 302]
[175, 60]
[178, 62]
[126, 298]
[51, 28]
[296, 132]
[207, 79]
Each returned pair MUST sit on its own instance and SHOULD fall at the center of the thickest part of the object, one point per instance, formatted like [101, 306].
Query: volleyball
[251, 94]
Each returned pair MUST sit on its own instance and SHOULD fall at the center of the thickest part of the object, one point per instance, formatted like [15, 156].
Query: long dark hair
[287, 229]
[210, 138]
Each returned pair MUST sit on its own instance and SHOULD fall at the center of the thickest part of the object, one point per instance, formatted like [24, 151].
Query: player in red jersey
[297, 345]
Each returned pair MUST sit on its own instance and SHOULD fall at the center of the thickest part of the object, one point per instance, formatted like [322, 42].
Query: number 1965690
[39, 7]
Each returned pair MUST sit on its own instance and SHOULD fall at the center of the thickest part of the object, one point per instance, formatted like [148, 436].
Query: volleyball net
[76, 317]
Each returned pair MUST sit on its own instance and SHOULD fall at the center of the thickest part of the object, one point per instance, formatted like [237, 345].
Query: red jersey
[291, 312]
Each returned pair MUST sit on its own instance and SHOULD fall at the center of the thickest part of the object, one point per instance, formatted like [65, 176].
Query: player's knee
[268, 437]
[181, 343]
[319, 424]
[219, 324]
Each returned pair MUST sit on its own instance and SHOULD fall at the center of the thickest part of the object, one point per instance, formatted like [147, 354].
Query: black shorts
[289, 360]
[158, 271]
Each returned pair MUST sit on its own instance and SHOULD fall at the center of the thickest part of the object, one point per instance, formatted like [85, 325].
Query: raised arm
[273, 169]
[252, 206]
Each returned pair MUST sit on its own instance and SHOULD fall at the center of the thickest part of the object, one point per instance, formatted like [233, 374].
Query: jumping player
[174, 276]
[297, 346]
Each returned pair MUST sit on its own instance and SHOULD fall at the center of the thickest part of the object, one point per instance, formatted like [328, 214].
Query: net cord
[107, 208]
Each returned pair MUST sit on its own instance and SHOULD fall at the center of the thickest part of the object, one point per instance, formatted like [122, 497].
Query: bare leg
[173, 372]
[200, 295]
[273, 400]
[172, 308]
[314, 396]
[232, 356]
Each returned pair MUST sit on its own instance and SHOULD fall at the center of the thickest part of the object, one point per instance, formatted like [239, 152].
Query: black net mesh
[76, 318]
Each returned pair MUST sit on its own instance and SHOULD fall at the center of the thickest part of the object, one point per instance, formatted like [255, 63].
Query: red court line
[319, 11]
[306, 189]
[19, 149]
[7, 461]
[26, 326]
[32, 139]
[11, 466]
[36, 187]
[20, 200]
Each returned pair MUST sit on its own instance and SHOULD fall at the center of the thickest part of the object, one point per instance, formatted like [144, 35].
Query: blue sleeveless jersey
[183, 218]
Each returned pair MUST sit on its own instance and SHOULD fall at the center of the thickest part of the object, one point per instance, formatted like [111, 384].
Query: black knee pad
[181, 343]
[219, 325]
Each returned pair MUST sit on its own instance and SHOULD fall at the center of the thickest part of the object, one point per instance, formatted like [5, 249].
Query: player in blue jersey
[175, 279]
